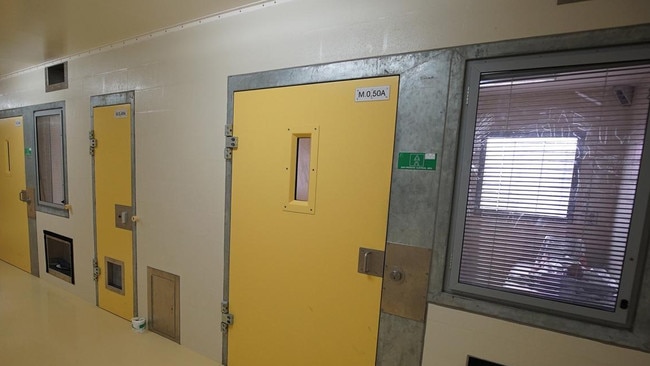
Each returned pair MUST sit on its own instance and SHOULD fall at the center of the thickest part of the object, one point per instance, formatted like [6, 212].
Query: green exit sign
[417, 161]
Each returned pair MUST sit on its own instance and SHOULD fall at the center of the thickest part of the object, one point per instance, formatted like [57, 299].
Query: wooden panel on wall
[164, 303]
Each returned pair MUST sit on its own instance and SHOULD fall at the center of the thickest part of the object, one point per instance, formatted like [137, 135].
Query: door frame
[397, 335]
[105, 100]
[29, 141]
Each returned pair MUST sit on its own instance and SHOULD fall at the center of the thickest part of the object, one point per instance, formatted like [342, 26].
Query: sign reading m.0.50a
[372, 93]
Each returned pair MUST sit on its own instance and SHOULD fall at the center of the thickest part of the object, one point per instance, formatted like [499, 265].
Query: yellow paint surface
[14, 231]
[113, 186]
[295, 293]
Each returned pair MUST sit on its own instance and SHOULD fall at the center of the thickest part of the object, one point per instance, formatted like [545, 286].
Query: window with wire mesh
[552, 183]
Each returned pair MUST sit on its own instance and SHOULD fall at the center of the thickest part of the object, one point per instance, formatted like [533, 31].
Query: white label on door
[19, 123]
[372, 94]
[120, 113]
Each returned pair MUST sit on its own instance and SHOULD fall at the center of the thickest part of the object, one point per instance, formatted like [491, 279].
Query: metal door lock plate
[27, 196]
[406, 280]
[123, 217]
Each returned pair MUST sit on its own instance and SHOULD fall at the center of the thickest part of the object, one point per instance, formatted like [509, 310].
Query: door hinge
[93, 142]
[96, 270]
[226, 318]
[231, 142]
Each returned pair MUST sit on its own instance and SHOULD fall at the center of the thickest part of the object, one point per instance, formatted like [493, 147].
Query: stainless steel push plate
[123, 216]
[371, 262]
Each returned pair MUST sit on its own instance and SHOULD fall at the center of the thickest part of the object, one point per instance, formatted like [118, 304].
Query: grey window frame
[58, 209]
[638, 237]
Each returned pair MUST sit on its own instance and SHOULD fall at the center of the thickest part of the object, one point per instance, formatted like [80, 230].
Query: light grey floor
[43, 325]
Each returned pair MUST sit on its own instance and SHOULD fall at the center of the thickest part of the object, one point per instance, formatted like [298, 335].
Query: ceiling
[33, 32]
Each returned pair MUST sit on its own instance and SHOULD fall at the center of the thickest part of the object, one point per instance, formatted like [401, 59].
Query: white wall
[452, 335]
[180, 81]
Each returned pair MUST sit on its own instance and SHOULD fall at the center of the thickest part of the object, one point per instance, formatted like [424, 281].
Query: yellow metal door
[113, 186]
[14, 230]
[301, 209]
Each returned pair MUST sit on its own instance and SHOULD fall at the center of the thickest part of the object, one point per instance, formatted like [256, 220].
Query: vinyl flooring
[41, 324]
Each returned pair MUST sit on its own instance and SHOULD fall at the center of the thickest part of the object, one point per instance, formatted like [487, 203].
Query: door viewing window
[550, 204]
[302, 169]
[50, 147]
[303, 157]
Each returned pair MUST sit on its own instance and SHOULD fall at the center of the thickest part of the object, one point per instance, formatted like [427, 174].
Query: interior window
[549, 189]
[51, 163]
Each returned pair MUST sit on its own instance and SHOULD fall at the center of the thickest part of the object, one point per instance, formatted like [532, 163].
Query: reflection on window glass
[528, 174]
[49, 140]
[302, 168]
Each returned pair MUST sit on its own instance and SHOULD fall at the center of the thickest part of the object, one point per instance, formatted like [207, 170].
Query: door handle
[24, 196]
[371, 262]
[366, 256]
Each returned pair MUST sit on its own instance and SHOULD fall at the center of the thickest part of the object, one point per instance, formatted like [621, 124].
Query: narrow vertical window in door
[301, 168]
[8, 157]
[303, 154]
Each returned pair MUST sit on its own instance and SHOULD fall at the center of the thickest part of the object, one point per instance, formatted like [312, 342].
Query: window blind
[552, 183]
